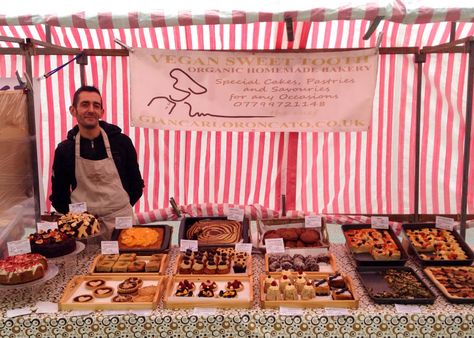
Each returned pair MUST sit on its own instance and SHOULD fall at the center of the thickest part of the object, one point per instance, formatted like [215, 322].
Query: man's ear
[72, 111]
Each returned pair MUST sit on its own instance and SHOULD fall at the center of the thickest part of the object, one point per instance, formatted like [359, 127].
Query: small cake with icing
[336, 281]
[290, 292]
[321, 287]
[273, 292]
[342, 294]
[308, 291]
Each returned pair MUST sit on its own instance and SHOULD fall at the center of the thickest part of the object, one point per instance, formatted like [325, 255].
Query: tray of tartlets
[213, 261]
[323, 262]
[433, 246]
[308, 290]
[127, 263]
[456, 283]
[105, 292]
[209, 291]
[374, 247]
[144, 239]
[395, 284]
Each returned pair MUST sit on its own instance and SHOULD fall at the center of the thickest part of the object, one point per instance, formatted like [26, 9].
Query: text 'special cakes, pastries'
[141, 238]
[215, 232]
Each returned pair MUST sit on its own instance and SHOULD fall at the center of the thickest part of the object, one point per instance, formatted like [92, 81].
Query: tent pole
[420, 58]
[467, 137]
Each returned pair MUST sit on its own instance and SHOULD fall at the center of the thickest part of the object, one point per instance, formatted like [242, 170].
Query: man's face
[88, 110]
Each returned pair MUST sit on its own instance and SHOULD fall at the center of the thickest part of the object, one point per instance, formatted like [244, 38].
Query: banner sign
[245, 91]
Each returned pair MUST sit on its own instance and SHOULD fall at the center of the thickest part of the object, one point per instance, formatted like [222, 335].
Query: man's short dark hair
[90, 89]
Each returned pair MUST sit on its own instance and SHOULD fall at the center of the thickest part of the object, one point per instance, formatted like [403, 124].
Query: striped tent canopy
[351, 172]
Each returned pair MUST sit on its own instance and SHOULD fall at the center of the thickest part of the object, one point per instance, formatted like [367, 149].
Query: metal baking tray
[165, 244]
[428, 272]
[372, 278]
[427, 262]
[366, 259]
[187, 222]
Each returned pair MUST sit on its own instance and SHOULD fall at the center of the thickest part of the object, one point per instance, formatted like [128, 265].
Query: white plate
[50, 274]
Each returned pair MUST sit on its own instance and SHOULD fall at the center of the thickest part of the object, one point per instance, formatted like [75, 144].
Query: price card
[19, 247]
[445, 223]
[123, 222]
[77, 313]
[379, 222]
[407, 308]
[143, 313]
[291, 311]
[45, 226]
[313, 221]
[114, 312]
[333, 311]
[186, 244]
[18, 312]
[244, 247]
[78, 207]
[109, 247]
[46, 307]
[274, 245]
[236, 214]
[204, 311]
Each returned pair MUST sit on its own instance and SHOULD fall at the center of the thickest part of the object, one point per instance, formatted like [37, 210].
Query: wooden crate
[163, 267]
[231, 273]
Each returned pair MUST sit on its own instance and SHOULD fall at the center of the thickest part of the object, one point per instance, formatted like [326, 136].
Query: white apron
[99, 185]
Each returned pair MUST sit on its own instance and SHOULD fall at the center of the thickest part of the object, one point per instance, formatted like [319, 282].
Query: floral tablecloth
[370, 319]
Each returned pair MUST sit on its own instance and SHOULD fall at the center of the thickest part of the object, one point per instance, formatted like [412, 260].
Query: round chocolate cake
[52, 243]
[80, 225]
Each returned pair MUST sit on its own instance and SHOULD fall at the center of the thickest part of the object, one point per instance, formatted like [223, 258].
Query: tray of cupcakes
[308, 290]
[456, 283]
[214, 261]
[323, 262]
[105, 292]
[209, 291]
[126, 263]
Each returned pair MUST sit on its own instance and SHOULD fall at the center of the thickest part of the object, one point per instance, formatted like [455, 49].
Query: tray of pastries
[433, 246]
[456, 283]
[322, 262]
[395, 284]
[214, 231]
[308, 290]
[214, 261]
[209, 291]
[127, 263]
[374, 247]
[105, 292]
[143, 239]
[293, 233]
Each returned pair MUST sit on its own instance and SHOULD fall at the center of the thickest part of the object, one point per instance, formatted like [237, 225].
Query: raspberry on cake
[22, 268]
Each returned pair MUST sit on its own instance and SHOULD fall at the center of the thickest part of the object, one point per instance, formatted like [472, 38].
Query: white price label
[186, 244]
[123, 222]
[18, 312]
[379, 222]
[204, 311]
[445, 223]
[78, 208]
[46, 307]
[114, 312]
[244, 247]
[333, 311]
[143, 313]
[109, 247]
[313, 221]
[407, 308]
[274, 245]
[236, 214]
[291, 311]
[77, 313]
[19, 247]
[45, 226]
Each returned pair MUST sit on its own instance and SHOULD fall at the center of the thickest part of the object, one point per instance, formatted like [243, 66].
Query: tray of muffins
[214, 231]
[214, 261]
[308, 290]
[323, 262]
[127, 263]
[143, 239]
[456, 283]
[105, 292]
[209, 291]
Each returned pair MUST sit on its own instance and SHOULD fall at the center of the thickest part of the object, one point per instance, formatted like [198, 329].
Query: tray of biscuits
[127, 263]
[214, 231]
[209, 291]
[214, 261]
[323, 262]
[434, 246]
[144, 239]
[374, 247]
[105, 292]
[308, 290]
[456, 283]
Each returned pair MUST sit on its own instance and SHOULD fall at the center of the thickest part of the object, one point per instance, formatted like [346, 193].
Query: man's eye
[97, 105]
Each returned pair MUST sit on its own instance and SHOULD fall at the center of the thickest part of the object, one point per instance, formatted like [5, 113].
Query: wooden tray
[163, 267]
[318, 302]
[75, 287]
[328, 268]
[244, 298]
[449, 296]
[231, 273]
